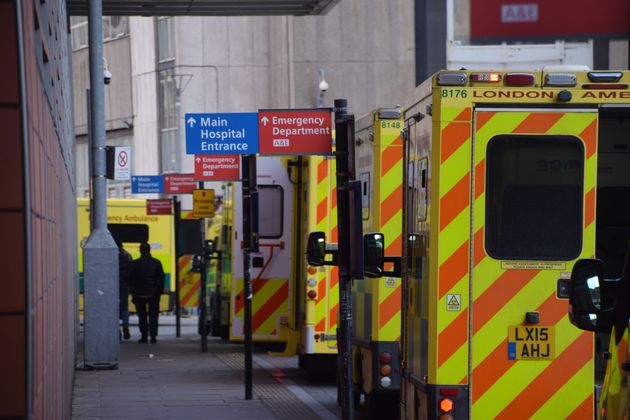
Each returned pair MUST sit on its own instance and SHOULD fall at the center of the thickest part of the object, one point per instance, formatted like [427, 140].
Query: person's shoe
[143, 340]
[126, 333]
[153, 340]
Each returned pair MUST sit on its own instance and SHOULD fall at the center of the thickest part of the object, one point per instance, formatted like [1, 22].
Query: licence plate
[528, 342]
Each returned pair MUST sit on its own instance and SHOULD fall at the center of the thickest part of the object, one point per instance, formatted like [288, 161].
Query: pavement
[173, 379]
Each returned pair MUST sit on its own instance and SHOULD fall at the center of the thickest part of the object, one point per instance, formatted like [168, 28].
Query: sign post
[249, 245]
[177, 216]
[344, 128]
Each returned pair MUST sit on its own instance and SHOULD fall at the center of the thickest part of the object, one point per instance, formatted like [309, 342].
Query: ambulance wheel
[356, 395]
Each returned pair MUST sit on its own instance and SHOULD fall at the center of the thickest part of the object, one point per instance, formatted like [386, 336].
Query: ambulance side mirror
[374, 254]
[316, 249]
[591, 298]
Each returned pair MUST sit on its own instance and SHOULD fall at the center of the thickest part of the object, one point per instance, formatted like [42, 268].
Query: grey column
[100, 253]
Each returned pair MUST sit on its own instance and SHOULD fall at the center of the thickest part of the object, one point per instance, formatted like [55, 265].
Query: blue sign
[147, 184]
[222, 134]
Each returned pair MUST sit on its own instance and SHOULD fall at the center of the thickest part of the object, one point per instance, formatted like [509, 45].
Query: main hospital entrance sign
[212, 134]
[268, 132]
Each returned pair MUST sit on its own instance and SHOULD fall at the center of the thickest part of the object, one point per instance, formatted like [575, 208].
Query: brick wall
[37, 214]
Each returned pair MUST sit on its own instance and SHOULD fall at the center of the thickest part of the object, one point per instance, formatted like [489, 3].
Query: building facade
[38, 313]
[165, 67]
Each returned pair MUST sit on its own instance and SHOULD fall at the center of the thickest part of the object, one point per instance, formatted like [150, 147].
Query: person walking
[124, 283]
[147, 286]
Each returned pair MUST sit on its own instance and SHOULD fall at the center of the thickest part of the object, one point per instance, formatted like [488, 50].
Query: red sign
[503, 20]
[179, 184]
[295, 132]
[217, 167]
[160, 206]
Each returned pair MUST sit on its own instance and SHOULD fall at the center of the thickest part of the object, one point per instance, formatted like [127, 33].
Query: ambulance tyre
[301, 361]
[224, 329]
[379, 404]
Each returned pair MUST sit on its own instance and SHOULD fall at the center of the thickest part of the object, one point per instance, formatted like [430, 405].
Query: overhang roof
[204, 7]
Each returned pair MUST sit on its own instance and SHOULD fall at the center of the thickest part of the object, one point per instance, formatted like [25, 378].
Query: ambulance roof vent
[566, 67]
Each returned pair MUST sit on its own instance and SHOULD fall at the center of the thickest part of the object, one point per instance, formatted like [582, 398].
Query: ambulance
[127, 220]
[376, 317]
[509, 178]
[293, 304]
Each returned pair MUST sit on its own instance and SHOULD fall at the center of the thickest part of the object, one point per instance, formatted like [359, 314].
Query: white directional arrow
[198, 159]
[191, 121]
[264, 120]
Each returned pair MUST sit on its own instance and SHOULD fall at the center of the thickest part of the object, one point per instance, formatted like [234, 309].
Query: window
[270, 211]
[534, 197]
[166, 50]
[168, 122]
[114, 27]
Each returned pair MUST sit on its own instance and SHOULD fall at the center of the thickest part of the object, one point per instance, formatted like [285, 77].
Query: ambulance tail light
[449, 392]
[385, 369]
[604, 76]
[485, 77]
[452, 79]
[446, 405]
[520, 79]
[312, 294]
[605, 86]
[560, 79]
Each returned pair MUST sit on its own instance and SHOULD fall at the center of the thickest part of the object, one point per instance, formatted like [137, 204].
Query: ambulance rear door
[533, 210]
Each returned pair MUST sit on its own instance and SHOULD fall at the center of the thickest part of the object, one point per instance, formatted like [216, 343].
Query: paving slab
[173, 379]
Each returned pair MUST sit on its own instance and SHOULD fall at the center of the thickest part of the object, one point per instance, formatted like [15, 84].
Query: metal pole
[90, 163]
[298, 236]
[202, 298]
[345, 279]
[178, 149]
[102, 347]
[249, 183]
[177, 217]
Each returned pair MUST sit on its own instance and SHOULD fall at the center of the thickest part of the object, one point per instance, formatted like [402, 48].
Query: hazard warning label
[454, 303]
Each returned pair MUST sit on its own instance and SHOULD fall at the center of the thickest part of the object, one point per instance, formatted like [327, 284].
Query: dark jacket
[125, 262]
[147, 277]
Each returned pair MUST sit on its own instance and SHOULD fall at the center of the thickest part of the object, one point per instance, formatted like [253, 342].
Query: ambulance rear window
[534, 197]
[270, 211]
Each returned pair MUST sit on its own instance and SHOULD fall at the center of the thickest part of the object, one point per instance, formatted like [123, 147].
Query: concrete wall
[38, 314]
[366, 48]
[242, 64]
[118, 94]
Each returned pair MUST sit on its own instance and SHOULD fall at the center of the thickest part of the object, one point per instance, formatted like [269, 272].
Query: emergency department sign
[160, 206]
[295, 132]
[179, 183]
[220, 134]
[217, 167]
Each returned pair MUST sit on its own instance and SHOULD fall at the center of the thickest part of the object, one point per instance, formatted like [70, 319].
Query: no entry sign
[295, 132]
[217, 167]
